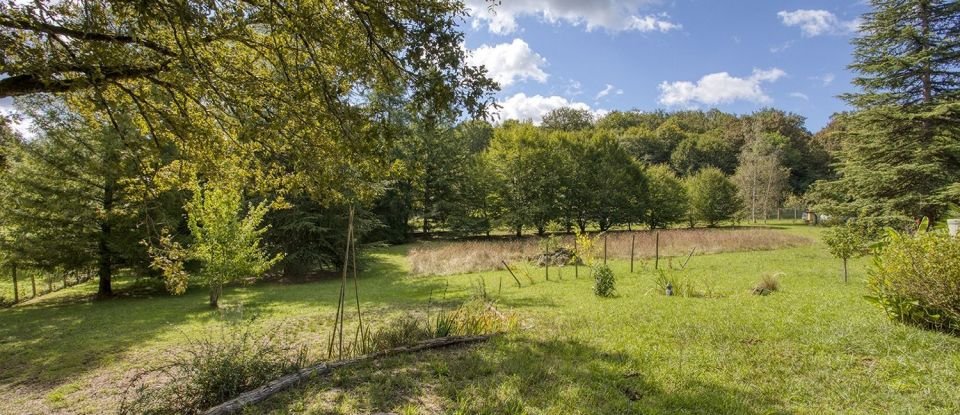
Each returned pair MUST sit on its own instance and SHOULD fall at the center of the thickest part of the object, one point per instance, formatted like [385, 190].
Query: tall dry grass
[459, 257]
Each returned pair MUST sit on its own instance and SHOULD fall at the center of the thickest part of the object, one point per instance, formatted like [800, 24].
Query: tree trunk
[16, 293]
[519, 230]
[33, 284]
[105, 288]
[215, 291]
[844, 270]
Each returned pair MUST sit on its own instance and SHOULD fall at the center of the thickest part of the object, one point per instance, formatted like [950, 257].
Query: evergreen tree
[902, 152]
[72, 198]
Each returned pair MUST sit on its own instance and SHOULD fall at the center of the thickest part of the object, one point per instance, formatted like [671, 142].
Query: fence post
[576, 259]
[656, 262]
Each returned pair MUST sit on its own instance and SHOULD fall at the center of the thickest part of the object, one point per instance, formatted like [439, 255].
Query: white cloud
[719, 88]
[507, 63]
[523, 107]
[574, 88]
[818, 22]
[825, 79]
[800, 95]
[609, 89]
[614, 16]
[782, 47]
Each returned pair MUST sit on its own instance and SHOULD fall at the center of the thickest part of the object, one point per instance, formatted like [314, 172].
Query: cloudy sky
[605, 55]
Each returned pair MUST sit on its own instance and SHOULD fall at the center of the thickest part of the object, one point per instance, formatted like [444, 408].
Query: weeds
[450, 258]
[675, 283]
[213, 369]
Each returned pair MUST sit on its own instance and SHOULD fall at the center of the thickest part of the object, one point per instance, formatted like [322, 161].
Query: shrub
[604, 282]
[916, 280]
[213, 369]
[767, 284]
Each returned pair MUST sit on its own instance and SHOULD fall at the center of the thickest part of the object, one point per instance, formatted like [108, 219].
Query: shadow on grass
[513, 375]
[54, 341]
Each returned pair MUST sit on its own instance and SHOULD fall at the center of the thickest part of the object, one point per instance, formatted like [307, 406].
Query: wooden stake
[511, 273]
[656, 262]
[633, 241]
[682, 267]
[576, 259]
[604, 248]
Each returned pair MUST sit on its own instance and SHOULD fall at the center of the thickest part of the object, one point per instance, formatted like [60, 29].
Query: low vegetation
[449, 258]
[916, 280]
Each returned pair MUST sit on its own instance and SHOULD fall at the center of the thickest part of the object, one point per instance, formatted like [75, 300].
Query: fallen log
[285, 382]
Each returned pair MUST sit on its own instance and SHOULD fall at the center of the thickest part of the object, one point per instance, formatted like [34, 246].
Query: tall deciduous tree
[903, 152]
[285, 83]
[667, 197]
[761, 177]
[713, 197]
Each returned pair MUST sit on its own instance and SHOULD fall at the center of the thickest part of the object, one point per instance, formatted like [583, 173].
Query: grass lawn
[814, 346]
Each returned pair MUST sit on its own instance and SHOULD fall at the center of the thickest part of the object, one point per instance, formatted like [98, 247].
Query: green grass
[813, 346]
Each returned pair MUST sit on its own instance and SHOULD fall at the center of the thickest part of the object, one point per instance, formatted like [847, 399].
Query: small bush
[916, 280]
[213, 369]
[767, 285]
[604, 282]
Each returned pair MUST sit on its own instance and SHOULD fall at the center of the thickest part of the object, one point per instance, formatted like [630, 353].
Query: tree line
[627, 168]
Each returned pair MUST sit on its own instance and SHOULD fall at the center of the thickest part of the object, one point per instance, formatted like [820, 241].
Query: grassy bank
[813, 346]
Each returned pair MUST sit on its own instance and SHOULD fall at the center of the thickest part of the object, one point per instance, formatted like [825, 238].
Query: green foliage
[713, 197]
[210, 98]
[667, 197]
[568, 119]
[226, 243]
[526, 166]
[846, 241]
[700, 151]
[916, 279]
[604, 282]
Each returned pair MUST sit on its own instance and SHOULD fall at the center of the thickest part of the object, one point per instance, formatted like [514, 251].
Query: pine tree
[901, 154]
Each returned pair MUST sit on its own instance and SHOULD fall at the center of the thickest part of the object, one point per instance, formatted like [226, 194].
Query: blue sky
[738, 56]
